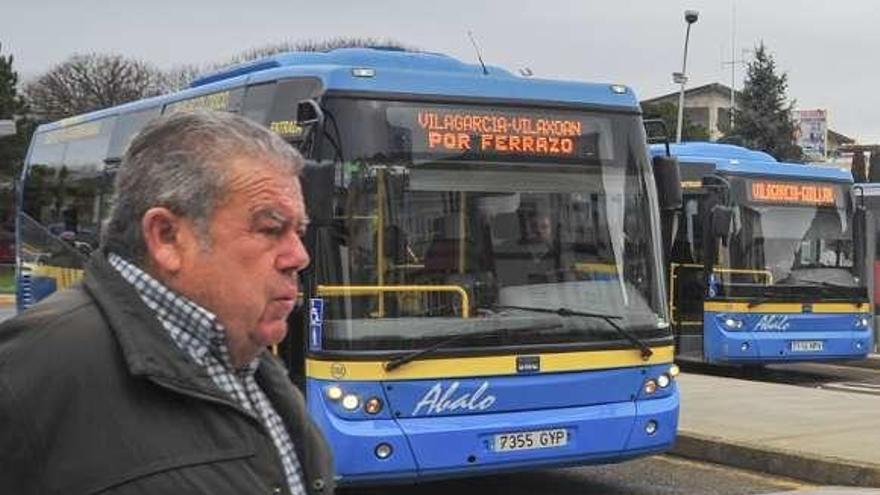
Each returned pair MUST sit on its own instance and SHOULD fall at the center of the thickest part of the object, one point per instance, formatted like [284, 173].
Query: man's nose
[294, 255]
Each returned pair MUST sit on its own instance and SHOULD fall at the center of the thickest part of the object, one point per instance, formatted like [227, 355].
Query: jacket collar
[148, 349]
[146, 346]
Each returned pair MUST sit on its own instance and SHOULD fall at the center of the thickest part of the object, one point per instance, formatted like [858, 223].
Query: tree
[179, 77]
[12, 148]
[316, 46]
[668, 112]
[764, 120]
[84, 83]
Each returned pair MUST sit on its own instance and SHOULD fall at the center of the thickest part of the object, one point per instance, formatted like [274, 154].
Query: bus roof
[390, 71]
[736, 160]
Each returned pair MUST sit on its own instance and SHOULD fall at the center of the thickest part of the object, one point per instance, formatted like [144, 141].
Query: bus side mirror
[308, 113]
[667, 176]
[860, 227]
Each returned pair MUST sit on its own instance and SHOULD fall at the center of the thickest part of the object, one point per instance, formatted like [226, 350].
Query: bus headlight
[650, 386]
[350, 402]
[663, 381]
[334, 392]
[674, 370]
[863, 321]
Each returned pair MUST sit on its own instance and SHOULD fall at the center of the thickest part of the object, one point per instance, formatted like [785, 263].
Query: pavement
[872, 361]
[822, 436]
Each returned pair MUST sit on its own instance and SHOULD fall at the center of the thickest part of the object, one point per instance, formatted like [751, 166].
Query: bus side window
[126, 127]
[63, 195]
[283, 116]
[258, 102]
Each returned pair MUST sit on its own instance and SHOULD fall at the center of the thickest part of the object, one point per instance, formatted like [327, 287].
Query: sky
[827, 49]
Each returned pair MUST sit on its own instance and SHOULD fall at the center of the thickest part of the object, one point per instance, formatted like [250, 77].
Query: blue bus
[869, 193]
[764, 268]
[486, 290]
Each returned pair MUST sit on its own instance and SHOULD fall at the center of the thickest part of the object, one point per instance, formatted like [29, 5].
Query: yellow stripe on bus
[483, 365]
[785, 307]
[64, 277]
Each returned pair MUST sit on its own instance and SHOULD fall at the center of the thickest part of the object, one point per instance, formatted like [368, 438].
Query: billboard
[811, 133]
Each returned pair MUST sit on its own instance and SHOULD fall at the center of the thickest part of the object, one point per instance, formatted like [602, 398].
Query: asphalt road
[657, 475]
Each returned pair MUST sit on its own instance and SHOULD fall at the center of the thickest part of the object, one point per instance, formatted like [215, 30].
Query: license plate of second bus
[526, 440]
[806, 345]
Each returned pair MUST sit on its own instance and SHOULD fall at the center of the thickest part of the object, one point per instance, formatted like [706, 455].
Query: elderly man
[153, 376]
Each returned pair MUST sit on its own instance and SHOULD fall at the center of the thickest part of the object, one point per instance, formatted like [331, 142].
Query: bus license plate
[806, 345]
[526, 440]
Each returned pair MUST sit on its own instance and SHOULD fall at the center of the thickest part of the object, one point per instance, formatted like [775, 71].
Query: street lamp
[690, 17]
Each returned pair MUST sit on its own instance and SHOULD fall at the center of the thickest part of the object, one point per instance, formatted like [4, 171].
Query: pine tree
[12, 148]
[764, 120]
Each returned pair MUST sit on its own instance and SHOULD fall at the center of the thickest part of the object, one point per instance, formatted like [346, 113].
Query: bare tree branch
[180, 77]
[84, 83]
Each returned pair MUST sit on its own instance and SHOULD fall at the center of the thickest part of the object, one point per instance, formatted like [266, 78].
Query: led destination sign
[792, 193]
[440, 130]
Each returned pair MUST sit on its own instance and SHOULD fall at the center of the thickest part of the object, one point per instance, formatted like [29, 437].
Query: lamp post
[690, 17]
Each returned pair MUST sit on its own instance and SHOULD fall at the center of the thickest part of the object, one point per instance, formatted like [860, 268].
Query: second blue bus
[764, 267]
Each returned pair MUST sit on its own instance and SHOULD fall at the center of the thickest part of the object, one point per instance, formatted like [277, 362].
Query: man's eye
[274, 230]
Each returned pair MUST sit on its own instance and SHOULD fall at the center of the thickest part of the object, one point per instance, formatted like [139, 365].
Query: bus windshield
[443, 215]
[791, 240]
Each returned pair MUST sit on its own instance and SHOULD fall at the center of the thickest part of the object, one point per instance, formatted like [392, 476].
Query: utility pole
[733, 62]
[690, 17]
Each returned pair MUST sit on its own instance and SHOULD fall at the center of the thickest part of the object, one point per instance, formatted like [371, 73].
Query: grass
[7, 279]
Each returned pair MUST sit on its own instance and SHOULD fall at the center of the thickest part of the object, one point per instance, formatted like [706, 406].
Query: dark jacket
[95, 397]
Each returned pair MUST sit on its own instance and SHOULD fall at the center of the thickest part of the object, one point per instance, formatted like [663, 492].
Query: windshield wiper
[759, 301]
[411, 356]
[823, 283]
[640, 344]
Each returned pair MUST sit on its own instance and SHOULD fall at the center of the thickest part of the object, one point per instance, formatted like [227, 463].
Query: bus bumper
[457, 446]
[757, 347]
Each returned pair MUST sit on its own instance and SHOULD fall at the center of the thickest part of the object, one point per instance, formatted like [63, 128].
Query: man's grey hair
[182, 162]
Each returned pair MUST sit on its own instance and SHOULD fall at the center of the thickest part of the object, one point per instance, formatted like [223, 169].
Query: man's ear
[162, 235]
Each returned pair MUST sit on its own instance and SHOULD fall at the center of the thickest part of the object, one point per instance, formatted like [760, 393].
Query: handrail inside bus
[369, 290]
[673, 267]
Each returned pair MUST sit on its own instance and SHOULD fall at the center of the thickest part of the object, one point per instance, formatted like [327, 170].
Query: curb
[822, 470]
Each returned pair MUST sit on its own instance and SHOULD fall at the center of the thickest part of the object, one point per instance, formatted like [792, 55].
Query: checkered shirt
[198, 333]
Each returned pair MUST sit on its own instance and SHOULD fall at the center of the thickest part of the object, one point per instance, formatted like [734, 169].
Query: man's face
[539, 229]
[248, 275]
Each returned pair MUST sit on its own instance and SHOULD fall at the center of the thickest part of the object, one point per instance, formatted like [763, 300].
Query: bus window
[428, 236]
[227, 101]
[257, 101]
[63, 202]
[275, 105]
[127, 126]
